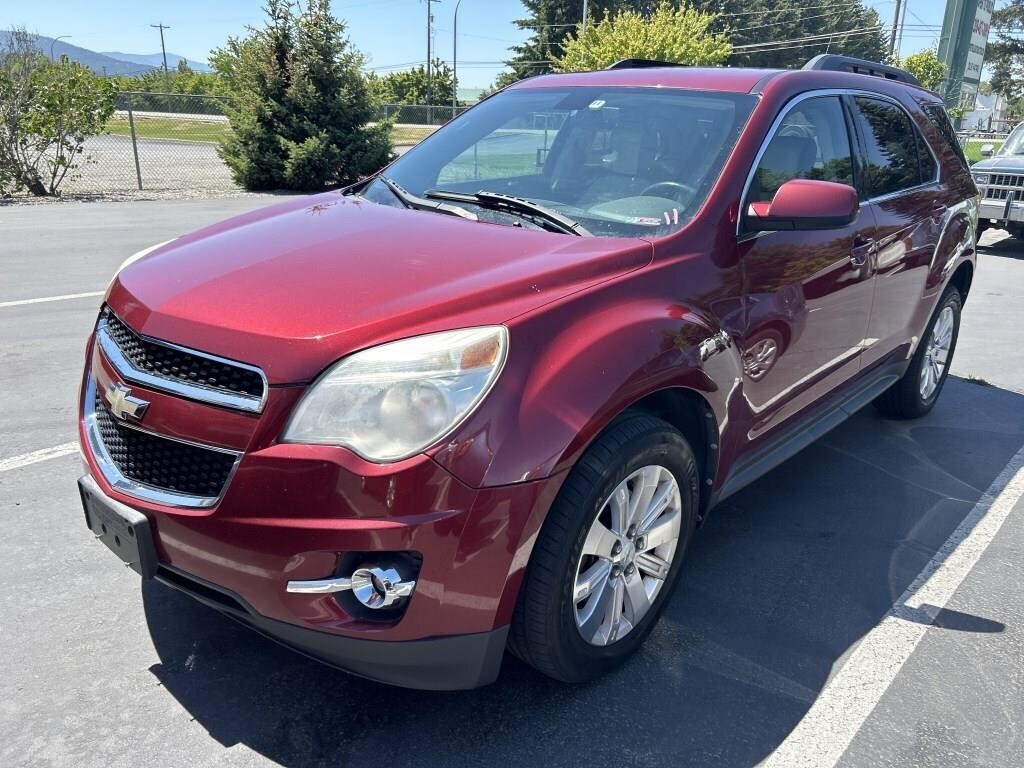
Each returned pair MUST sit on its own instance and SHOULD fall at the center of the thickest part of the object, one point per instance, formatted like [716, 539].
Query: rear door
[807, 294]
[901, 189]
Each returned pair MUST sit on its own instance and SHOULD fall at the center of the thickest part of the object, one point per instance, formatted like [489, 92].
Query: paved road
[781, 623]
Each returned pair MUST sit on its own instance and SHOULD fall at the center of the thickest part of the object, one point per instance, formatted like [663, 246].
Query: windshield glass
[627, 162]
[1014, 144]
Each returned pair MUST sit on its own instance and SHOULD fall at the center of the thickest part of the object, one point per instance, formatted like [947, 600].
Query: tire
[635, 452]
[908, 398]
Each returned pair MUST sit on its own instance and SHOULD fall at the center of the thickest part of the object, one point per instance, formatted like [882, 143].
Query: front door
[807, 293]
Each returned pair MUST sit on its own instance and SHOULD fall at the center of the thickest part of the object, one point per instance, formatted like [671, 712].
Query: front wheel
[609, 552]
[916, 392]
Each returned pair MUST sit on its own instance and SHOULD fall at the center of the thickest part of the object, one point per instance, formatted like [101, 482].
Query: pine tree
[302, 108]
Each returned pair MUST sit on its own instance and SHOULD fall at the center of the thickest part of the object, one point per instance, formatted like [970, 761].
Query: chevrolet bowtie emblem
[122, 404]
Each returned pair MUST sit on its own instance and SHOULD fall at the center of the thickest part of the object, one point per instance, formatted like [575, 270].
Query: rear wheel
[609, 552]
[916, 392]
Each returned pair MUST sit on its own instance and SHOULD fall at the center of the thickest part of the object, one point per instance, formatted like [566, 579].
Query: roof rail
[833, 62]
[643, 64]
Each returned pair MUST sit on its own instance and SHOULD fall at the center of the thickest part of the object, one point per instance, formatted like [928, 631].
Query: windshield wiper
[410, 200]
[553, 220]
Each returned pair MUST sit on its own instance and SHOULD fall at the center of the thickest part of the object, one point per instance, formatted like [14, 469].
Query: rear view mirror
[987, 150]
[805, 204]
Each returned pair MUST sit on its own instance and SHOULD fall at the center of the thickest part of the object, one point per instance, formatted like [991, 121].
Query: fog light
[378, 588]
[372, 586]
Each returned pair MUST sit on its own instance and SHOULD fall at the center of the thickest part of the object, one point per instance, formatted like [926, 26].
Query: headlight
[981, 178]
[393, 401]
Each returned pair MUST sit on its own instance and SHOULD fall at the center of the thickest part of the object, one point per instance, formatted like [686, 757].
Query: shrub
[302, 109]
[47, 111]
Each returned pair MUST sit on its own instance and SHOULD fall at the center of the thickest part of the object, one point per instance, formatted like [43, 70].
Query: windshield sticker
[597, 103]
[646, 221]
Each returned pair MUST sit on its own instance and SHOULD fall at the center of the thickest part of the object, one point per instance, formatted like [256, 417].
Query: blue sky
[389, 32]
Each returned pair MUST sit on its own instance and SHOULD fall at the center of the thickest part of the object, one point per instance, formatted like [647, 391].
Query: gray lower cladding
[452, 663]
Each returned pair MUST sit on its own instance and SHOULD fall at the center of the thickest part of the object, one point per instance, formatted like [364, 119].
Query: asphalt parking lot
[859, 606]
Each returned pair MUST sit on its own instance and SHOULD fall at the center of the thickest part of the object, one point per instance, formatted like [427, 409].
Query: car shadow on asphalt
[779, 585]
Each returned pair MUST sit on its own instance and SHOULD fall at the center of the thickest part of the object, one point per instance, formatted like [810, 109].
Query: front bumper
[1001, 211]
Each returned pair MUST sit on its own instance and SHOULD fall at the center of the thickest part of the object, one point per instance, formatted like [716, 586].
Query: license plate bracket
[125, 531]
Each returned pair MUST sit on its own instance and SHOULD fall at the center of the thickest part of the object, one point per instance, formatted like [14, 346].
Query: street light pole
[455, 60]
[584, 14]
[62, 37]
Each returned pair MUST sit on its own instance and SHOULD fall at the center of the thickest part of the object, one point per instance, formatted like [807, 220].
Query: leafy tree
[301, 109]
[410, 86]
[47, 111]
[1005, 55]
[668, 34]
[763, 33]
[926, 67]
[552, 22]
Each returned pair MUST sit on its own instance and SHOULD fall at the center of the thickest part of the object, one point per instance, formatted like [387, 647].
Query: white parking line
[65, 297]
[846, 701]
[44, 454]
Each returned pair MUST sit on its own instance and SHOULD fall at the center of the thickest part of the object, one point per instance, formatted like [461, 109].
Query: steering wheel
[674, 188]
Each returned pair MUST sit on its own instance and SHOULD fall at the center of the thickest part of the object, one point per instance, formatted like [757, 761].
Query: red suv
[483, 399]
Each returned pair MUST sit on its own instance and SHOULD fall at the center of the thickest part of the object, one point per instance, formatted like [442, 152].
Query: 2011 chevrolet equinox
[483, 399]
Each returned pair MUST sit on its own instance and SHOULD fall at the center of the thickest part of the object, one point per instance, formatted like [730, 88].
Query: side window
[892, 162]
[812, 142]
[925, 160]
[940, 119]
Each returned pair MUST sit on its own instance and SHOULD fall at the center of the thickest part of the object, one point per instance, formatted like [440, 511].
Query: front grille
[162, 463]
[1006, 180]
[1002, 194]
[180, 365]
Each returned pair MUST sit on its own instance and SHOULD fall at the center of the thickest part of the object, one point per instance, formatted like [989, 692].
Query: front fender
[573, 368]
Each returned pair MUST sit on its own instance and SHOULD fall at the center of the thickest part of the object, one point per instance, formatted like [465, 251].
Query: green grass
[199, 130]
[404, 135]
[170, 128]
[973, 148]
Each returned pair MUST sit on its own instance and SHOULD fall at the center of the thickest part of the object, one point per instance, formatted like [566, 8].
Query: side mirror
[987, 150]
[805, 204]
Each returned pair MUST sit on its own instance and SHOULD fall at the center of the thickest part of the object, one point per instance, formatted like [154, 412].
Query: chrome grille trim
[130, 372]
[120, 482]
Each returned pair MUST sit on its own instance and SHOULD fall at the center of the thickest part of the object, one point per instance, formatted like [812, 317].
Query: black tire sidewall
[950, 299]
[665, 447]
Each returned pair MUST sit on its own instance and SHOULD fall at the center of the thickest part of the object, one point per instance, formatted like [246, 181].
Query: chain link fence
[419, 114]
[157, 141]
[168, 142]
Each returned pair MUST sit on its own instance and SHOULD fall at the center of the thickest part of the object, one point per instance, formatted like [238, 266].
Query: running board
[799, 436]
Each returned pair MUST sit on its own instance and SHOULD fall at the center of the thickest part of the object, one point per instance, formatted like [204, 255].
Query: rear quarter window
[937, 116]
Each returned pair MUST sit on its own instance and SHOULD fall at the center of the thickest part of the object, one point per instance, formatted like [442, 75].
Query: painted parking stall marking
[34, 457]
[848, 699]
[45, 299]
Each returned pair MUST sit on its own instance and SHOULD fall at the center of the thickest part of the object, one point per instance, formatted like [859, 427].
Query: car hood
[293, 287]
[1000, 163]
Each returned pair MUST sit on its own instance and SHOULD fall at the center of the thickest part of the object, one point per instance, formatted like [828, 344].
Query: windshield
[625, 162]
[1014, 144]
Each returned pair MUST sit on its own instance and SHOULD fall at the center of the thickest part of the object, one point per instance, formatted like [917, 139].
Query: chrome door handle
[861, 249]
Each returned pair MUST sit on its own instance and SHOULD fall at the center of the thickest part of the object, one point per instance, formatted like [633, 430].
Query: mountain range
[112, 63]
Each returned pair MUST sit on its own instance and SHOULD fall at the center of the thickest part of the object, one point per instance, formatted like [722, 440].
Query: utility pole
[430, 42]
[584, 14]
[895, 26]
[455, 60]
[163, 50]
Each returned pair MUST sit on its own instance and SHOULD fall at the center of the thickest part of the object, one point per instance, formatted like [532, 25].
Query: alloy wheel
[936, 356]
[627, 555]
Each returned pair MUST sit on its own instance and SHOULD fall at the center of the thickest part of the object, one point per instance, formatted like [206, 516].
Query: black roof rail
[643, 64]
[833, 62]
